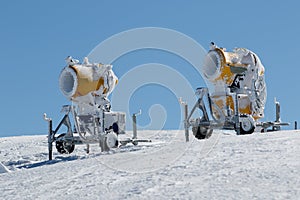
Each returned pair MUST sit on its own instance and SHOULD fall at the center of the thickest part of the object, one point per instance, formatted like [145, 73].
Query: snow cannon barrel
[240, 72]
[222, 66]
[78, 80]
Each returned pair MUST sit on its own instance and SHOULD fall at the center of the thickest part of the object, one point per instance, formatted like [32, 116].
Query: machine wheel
[112, 140]
[64, 147]
[246, 125]
[202, 132]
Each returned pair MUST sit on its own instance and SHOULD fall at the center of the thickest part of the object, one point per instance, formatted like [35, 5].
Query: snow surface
[226, 166]
[3, 169]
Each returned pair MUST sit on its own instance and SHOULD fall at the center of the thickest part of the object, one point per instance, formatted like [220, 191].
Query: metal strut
[201, 125]
[51, 134]
[134, 140]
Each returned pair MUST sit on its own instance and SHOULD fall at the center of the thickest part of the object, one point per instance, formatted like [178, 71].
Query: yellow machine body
[242, 70]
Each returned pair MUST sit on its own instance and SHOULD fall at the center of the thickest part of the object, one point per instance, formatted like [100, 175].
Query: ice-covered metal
[236, 93]
[87, 85]
[81, 81]
[240, 72]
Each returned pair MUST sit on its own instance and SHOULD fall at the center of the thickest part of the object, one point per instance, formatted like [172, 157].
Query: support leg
[50, 139]
[134, 129]
[186, 125]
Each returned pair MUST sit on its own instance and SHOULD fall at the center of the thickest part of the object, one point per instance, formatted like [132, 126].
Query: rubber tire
[202, 132]
[112, 140]
[243, 132]
[62, 148]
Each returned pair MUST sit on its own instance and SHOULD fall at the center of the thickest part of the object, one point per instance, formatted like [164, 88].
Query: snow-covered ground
[226, 166]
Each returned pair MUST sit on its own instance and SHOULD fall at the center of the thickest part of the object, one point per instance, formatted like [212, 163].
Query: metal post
[277, 111]
[186, 125]
[237, 117]
[134, 128]
[134, 132]
[296, 126]
[50, 139]
[50, 135]
[187, 116]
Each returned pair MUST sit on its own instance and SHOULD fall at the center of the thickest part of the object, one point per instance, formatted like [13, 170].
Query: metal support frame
[204, 121]
[69, 137]
[232, 122]
[134, 140]
[199, 104]
[51, 134]
[276, 125]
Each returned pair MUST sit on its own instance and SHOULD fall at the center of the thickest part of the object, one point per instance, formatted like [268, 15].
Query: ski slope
[226, 166]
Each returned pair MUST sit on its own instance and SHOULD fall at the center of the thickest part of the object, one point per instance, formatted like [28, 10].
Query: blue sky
[36, 37]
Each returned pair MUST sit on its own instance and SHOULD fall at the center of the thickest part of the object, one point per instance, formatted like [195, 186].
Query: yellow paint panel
[85, 85]
[223, 102]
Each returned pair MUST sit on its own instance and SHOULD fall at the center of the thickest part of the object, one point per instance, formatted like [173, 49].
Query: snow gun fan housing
[79, 80]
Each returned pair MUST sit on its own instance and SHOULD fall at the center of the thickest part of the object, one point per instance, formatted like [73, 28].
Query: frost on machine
[235, 96]
[87, 86]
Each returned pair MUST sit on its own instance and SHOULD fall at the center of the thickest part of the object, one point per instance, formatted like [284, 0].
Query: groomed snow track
[226, 166]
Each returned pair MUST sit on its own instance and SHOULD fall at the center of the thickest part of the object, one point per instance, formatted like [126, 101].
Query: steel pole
[134, 129]
[186, 123]
[50, 140]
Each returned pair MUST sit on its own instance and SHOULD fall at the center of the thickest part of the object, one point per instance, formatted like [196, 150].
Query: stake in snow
[87, 86]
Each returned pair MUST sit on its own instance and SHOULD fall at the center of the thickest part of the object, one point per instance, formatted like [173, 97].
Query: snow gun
[88, 85]
[235, 95]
